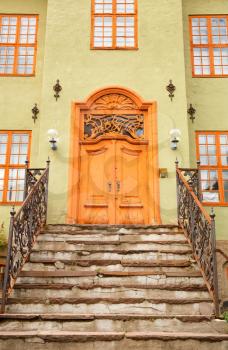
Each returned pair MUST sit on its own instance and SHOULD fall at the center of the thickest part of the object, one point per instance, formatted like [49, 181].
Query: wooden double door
[113, 182]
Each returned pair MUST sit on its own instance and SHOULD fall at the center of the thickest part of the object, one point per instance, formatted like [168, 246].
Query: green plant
[3, 238]
[225, 316]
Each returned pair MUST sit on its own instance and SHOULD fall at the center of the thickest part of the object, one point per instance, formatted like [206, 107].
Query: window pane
[217, 27]
[209, 185]
[211, 197]
[204, 160]
[16, 185]
[211, 139]
[202, 139]
[26, 29]
[225, 184]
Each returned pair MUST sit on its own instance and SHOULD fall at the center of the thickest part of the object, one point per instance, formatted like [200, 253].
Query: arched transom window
[114, 24]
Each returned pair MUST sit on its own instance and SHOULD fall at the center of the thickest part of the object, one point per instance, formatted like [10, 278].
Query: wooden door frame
[148, 107]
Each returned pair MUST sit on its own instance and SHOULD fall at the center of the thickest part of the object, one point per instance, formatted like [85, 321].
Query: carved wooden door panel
[113, 183]
[131, 183]
[114, 160]
[96, 196]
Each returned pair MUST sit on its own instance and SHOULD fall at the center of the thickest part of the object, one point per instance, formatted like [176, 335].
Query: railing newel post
[177, 189]
[26, 178]
[198, 181]
[7, 267]
[46, 190]
[215, 273]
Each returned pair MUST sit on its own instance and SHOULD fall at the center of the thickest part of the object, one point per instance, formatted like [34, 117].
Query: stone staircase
[104, 287]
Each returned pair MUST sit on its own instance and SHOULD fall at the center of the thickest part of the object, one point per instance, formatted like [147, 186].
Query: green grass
[225, 316]
[3, 238]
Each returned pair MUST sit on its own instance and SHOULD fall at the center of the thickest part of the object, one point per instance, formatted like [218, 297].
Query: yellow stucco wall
[208, 95]
[81, 71]
[18, 94]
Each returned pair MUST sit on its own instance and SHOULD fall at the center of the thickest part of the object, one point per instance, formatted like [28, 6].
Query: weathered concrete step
[67, 265]
[111, 305]
[112, 323]
[148, 256]
[88, 286]
[91, 317]
[139, 281]
[114, 228]
[126, 262]
[107, 299]
[71, 336]
[59, 235]
[105, 273]
[162, 291]
[119, 249]
[116, 242]
[128, 344]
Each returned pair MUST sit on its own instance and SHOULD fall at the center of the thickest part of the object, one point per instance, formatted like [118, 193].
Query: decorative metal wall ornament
[171, 88]
[35, 112]
[128, 125]
[192, 112]
[57, 88]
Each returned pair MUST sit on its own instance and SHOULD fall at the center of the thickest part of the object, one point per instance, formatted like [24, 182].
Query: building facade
[114, 61]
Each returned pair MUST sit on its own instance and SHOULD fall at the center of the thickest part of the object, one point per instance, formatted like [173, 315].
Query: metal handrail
[199, 228]
[25, 227]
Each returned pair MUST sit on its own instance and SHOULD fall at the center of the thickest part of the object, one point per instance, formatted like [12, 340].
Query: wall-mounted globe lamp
[53, 138]
[175, 135]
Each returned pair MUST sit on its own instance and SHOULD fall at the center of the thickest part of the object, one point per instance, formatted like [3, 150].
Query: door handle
[118, 186]
[109, 187]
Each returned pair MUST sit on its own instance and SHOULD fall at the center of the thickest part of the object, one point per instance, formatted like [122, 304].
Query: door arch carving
[114, 161]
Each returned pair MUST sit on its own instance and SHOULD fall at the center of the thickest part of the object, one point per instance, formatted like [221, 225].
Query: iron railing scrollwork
[199, 227]
[25, 225]
[192, 177]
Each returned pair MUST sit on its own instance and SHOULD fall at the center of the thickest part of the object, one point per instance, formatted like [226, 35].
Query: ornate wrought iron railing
[25, 226]
[192, 177]
[199, 227]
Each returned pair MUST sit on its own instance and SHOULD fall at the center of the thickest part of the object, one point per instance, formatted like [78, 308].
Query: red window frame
[7, 166]
[219, 167]
[113, 14]
[25, 51]
[210, 53]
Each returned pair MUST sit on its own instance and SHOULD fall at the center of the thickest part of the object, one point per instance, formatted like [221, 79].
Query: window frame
[219, 167]
[8, 166]
[113, 15]
[210, 45]
[16, 45]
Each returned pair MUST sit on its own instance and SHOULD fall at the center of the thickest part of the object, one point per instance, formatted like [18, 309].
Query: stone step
[141, 259]
[113, 237]
[72, 336]
[120, 232]
[149, 243]
[112, 341]
[106, 273]
[111, 323]
[110, 228]
[139, 256]
[68, 291]
[123, 248]
[159, 306]
[90, 279]
[68, 265]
